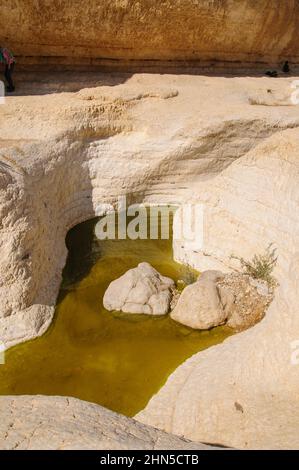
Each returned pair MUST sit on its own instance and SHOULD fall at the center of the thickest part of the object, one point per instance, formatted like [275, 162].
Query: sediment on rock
[245, 299]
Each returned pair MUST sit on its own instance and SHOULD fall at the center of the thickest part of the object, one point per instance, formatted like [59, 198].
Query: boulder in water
[140, 290]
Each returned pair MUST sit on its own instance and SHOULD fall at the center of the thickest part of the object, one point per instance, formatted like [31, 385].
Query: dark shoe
[10, 89]
[272, 73]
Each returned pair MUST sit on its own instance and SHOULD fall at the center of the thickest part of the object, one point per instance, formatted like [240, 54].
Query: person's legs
[8, 75]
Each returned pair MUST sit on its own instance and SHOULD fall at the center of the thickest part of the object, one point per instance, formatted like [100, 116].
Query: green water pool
[116, 360]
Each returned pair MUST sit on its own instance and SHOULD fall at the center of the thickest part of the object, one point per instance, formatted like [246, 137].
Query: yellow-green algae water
[117, 360]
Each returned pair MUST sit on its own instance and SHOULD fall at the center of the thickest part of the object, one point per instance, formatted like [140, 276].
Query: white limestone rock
[140, 290]
[211, 275]
[61, 423]
[208, 146]
[199, 305]
[244, 392]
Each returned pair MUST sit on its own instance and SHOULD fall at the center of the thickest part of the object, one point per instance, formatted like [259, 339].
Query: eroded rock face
[63, 154]
[240, 32]
[140, 290]
[93, 137]
[59, 423]
[237, 389]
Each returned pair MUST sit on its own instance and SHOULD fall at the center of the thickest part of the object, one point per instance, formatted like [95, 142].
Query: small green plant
[261, 266]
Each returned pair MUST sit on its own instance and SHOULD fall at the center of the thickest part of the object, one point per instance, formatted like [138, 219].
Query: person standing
[286, 67]
[8, 59]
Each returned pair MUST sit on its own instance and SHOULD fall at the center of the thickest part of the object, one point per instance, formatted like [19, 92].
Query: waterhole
[116, 360]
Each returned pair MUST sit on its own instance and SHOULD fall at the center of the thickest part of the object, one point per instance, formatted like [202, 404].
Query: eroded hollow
[117, 360]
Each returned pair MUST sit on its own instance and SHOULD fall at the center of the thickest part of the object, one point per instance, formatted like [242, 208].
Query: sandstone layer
[147, 32]
[163, 139]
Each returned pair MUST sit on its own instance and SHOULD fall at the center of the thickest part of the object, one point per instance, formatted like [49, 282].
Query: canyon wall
[151, 32]
[231, 144]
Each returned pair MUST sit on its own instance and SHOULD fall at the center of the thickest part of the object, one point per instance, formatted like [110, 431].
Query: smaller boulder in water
[199, 305]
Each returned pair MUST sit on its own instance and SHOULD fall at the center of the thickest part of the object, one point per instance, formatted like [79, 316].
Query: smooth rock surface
[199, 306]
[211, 275]
[60, 423]
[140, 290]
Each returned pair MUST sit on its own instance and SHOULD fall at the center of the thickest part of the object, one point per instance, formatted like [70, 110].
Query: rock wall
[152, 32]
[75, 151]
[239, 389]
[229, 143]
